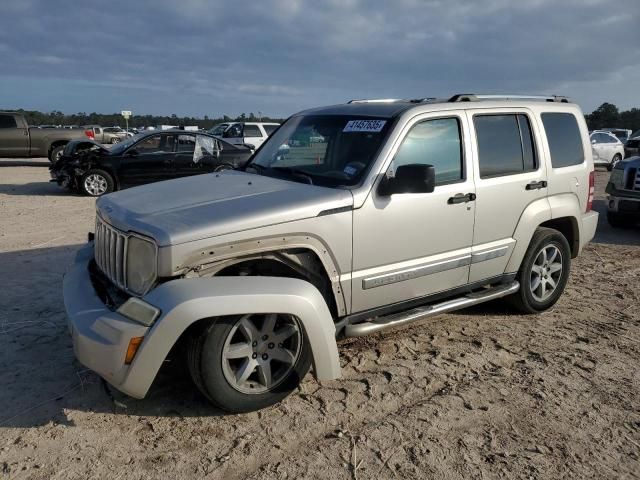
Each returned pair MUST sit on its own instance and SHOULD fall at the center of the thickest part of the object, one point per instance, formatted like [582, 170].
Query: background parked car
[252, 134]
[105, 134]
[607, 149]
[623, 134]
[94, 170]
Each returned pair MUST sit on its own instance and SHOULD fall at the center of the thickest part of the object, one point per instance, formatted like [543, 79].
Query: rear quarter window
[564, 139]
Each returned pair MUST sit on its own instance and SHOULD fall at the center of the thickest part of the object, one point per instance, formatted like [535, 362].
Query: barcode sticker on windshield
[364, 125]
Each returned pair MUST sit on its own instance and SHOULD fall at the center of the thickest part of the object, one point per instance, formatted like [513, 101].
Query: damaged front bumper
[100, 335]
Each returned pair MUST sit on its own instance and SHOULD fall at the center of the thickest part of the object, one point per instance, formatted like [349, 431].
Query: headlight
[141, 265]
[617, 178]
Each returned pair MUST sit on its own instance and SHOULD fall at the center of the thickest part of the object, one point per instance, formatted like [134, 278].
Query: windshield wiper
[294, 171]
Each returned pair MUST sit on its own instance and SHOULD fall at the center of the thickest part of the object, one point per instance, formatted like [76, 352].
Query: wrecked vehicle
[92, 169]
[395, 212]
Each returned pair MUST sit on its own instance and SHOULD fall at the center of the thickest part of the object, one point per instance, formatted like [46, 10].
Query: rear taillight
[592, 186]
[89, 133]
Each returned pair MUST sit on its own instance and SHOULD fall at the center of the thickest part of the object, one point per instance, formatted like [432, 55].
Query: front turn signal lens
[132, 349]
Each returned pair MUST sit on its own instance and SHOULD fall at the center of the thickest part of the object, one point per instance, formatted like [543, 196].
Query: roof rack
[377, 100]
[471, 97]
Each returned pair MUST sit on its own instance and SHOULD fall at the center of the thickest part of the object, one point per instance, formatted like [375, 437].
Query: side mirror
[593, 141]
[132, 153]
[412, 178]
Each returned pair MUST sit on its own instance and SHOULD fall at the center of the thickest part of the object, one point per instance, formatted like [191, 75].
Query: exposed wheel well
[57, 143]
[567, 226]
[298, 263]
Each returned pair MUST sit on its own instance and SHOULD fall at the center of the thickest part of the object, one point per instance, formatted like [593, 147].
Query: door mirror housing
[132, 152]
[593, 141]
[412, 178]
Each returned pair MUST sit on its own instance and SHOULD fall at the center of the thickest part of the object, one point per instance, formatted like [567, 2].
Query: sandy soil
[481, 393]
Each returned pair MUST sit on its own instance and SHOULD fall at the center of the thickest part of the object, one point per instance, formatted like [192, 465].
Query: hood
[202, 206]
[631, 162]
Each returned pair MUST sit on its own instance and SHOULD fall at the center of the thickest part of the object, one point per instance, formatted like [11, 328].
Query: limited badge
[372, 126]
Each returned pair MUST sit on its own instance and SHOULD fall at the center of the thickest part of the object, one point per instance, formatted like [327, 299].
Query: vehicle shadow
[606, 234]
[35, 188]
[41, 380]
[30, 162]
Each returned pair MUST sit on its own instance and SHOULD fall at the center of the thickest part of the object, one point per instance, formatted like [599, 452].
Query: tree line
[606, 115]
[56, 117]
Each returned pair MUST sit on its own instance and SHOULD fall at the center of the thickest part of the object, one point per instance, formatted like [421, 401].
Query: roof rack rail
[471, 97]
[376, 100]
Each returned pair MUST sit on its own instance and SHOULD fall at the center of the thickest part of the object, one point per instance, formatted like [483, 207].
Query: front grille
[110, 253]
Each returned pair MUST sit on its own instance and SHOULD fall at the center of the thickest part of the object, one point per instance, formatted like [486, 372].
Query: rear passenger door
[14, 138]
[508, 177]
[253, 135]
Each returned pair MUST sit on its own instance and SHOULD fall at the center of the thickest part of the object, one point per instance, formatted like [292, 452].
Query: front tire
[96, 183]
[114, 140]
[248, 362]
[543, 273]
[56, 153]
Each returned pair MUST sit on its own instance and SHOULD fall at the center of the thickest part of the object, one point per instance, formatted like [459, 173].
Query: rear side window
[565, 141]
[434, 142]
[8, 121]
[505, 145]
[270, 128]
[252, 131]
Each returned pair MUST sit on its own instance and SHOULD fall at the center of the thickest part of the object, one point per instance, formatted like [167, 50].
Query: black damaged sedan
[92, 169]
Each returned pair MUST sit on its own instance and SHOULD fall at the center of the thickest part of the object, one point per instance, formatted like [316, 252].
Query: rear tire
[238, 369]
[96, 183]
[114, 140]
[615, 220]
[543, 273]
[614, 161]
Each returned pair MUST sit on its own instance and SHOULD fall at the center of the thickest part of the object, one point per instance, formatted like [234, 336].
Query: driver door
[407, 246]
[149, 160]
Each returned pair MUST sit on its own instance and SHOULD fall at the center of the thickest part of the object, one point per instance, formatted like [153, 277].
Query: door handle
[536, 185]
[461, 198]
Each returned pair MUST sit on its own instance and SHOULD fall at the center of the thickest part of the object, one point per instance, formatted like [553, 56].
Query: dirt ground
[481, 393]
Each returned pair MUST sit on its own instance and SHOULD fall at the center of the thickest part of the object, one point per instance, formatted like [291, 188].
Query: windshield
[120, 147]
[329, 150]
[219, 129]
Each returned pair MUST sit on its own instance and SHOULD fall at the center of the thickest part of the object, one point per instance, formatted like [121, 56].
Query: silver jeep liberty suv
[350, 219]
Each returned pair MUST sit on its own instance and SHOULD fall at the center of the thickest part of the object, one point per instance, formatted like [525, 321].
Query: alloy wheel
[546, 272]
[95, 184]
[261, 351]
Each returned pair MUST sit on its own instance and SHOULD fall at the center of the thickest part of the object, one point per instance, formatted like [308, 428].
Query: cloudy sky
[213, 57]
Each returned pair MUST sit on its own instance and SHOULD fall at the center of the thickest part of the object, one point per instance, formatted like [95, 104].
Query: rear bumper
[589, 225]
[100, 336]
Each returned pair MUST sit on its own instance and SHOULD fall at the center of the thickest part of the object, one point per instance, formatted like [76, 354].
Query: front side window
[505, 145]
[219, 129]
[328, 150]
[156, 144]
[563, 136]
[434, 142]
[252, 131]
[8, 121]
